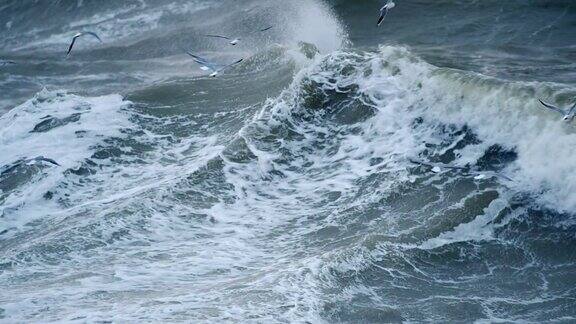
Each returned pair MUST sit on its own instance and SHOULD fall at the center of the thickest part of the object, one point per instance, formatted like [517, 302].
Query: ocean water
[342, 173]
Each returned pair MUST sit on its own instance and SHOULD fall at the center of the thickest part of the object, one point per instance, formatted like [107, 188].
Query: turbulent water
[341, 173]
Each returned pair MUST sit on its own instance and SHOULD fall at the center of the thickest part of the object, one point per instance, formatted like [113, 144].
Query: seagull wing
[573, 109]
[197, 58]
[504, 177]
[439, 166]
[41, 158]
[11, 168]
[478, 175]
[80, 35]
[218, 36]
[260, 30]
[205, 64]
[420, 163]
[93, 35]
[72, 44]
[383, 14]
[551, 107]
[231, 64]
[450, 167]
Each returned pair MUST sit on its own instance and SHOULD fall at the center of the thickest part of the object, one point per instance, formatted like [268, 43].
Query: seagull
[6, 62]
[384, 11]
[438, 167]
[235, 40]
[478, 175]
[80, 35]
[30, 162]
[206, 65]
[568, 114]
[42, 159]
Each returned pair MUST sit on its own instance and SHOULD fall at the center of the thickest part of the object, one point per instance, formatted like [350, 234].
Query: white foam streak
[479, 229]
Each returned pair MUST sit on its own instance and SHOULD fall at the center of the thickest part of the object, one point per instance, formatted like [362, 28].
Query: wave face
[341, 173]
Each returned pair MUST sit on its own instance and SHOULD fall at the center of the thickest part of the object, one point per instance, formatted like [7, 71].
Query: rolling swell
[437, 233]
[382, 226]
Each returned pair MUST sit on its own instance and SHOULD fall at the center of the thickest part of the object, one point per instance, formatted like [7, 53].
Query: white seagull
[80, 35]
[29, 162]
[206, 65]
[41, 159]
[384, 11]
[478, 174]
[568, 114]
[235, 40]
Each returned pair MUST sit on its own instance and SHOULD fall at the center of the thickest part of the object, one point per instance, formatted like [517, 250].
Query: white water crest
[80, 124]
[498, 112]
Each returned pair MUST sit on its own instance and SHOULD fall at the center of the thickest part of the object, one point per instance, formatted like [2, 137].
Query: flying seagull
[80, 35]
[206, 65]
[384, 11]
[235, 40]
[35, 161]
[478, 174]
[6, 62]
[42, 159]
[438, 167]
[568, 114]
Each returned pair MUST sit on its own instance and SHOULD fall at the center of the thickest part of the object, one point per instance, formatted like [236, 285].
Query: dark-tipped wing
[203, 62]
[197, 58]
[218, 36]
[450, 167]
[93, 35]
[383, 14]
[11, 168]
[259, 31]
[573, 109]
[420, 163]
[41, 158]
[231, 64]
[72, 45]
[478, 175]
[439, 165]
[551, 107]
[80, 35]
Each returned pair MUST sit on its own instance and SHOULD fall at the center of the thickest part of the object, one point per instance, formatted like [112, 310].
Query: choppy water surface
[300, 185]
